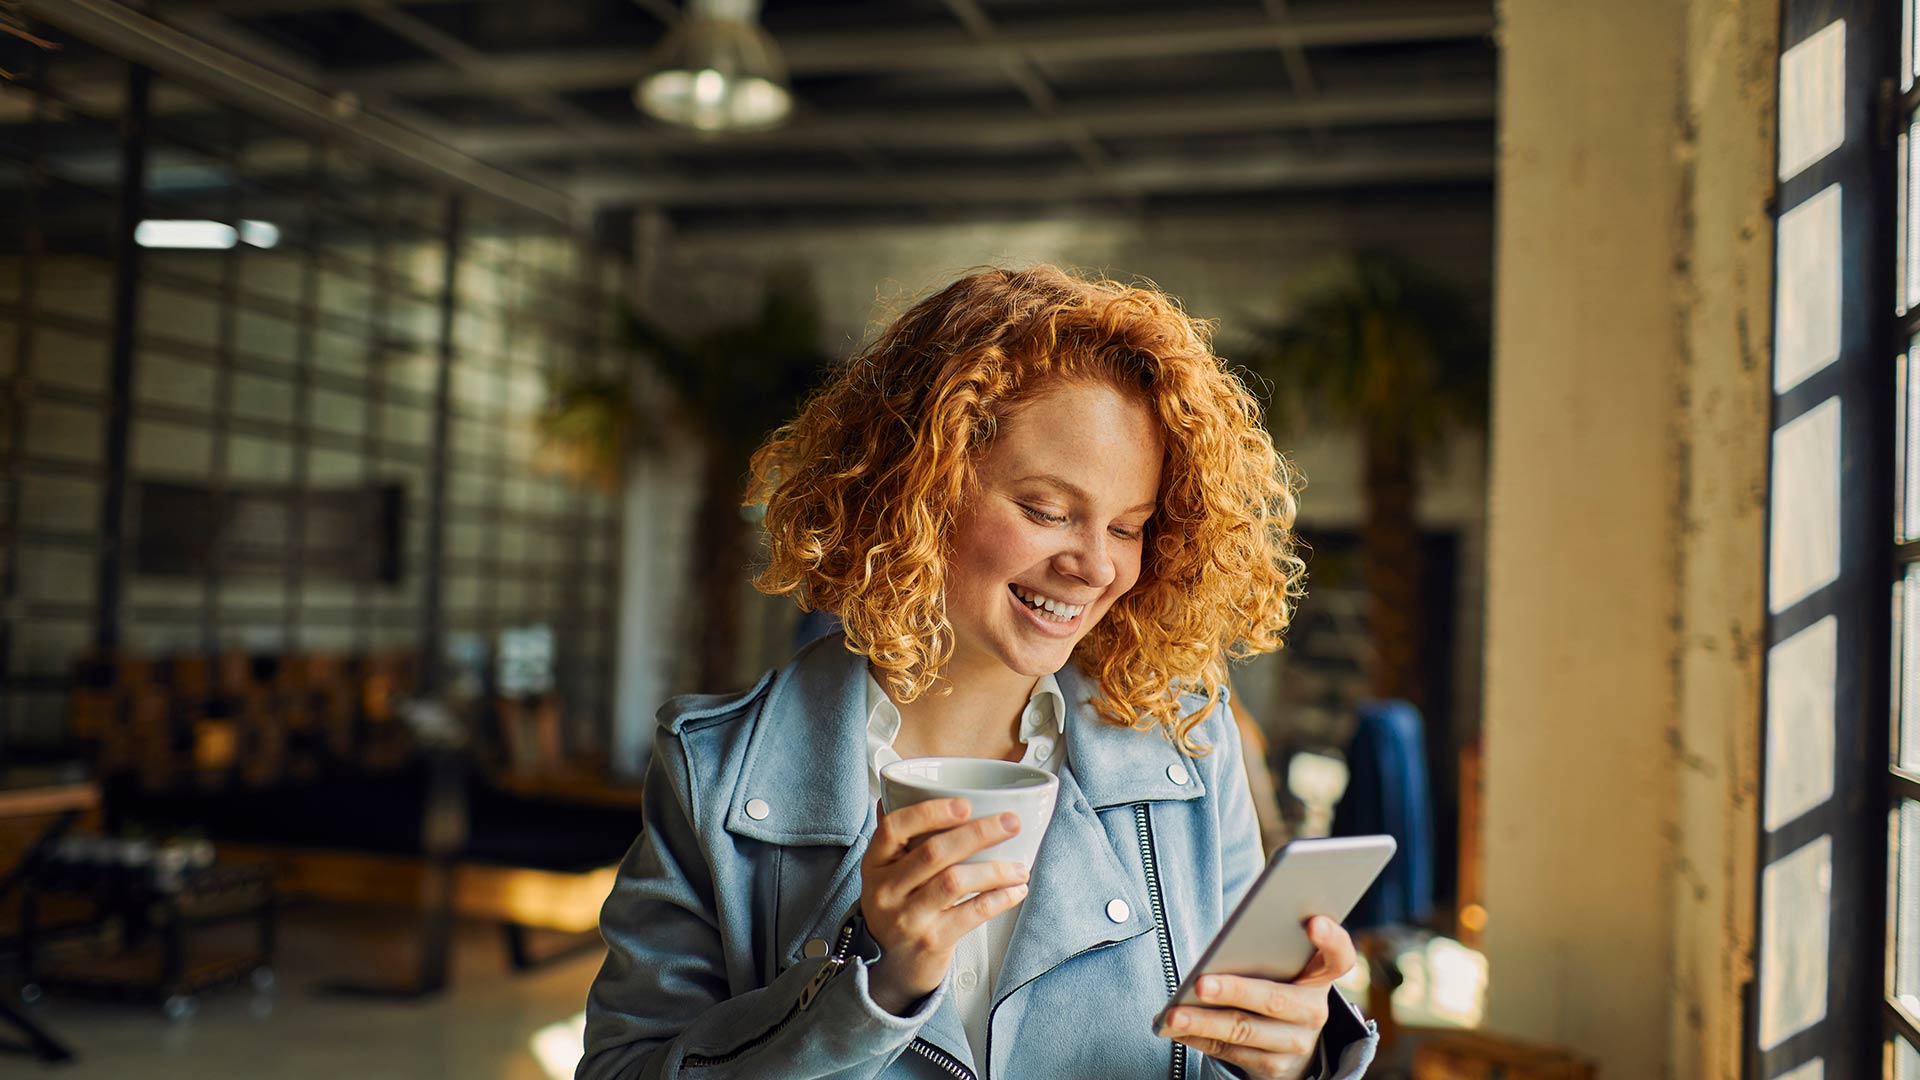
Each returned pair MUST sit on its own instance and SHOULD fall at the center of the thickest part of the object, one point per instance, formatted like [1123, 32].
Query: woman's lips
[1043, 624]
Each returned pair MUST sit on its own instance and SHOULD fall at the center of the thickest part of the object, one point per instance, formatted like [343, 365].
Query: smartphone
[1266, 936]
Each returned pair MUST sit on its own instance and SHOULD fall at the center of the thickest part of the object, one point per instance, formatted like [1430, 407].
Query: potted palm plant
[1373, 342]
[734, 384]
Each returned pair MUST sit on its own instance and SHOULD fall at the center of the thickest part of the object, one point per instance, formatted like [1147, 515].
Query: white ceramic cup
[990, 787]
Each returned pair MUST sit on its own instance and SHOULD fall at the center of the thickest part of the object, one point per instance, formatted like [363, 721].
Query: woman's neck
[980, 717]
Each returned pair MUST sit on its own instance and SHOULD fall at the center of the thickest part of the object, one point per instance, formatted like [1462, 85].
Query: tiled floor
[483, 1028]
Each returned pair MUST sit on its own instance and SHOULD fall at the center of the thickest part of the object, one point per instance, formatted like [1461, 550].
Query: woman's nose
[1088, 559]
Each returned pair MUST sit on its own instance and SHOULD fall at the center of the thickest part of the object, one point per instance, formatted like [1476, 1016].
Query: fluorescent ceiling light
[260, 234]
[205, 235]
[201, 235]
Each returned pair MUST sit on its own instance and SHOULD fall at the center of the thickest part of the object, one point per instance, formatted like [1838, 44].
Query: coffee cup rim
[888, 774]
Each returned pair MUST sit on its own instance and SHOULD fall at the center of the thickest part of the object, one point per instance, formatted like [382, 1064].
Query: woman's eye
[1128, 534]
[1043, 517]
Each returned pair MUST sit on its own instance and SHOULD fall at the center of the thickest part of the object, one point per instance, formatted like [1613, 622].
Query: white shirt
[976, 960]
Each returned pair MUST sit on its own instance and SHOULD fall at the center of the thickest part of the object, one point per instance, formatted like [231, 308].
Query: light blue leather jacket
[734, 946]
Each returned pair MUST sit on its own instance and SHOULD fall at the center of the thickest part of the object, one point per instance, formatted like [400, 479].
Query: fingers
[1335, 955]
[1286, 1002]
[900, 828]
[940, 850]
[1255, 1063]
[1260, 1044]
[960, 880]
[964, 917]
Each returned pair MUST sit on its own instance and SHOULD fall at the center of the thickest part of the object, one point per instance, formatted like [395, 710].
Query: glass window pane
[1906, 1061]
[1813, 98]
[1907, 223]
[1909, 55]
[1812, 1070]
[1906, 429]
[1806, 316]
[1903, 903]
[1906, 636]
[1804, 547]
[1795, 906]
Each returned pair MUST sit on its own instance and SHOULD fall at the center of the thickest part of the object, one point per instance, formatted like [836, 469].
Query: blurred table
[63, 795]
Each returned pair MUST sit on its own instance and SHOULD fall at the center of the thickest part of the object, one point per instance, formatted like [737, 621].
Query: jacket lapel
[1078, 873]
[804, 773]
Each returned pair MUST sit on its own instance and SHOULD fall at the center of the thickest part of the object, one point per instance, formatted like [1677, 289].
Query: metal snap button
[814, 950]
[1177, 773]
[1118, 911]
[757, 809]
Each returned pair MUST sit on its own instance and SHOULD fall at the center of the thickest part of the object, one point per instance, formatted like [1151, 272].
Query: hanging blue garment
[1387, 792]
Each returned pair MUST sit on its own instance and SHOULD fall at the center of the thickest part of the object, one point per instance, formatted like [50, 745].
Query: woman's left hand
[1269, 1029]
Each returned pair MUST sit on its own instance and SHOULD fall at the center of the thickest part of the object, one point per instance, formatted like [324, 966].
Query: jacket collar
[805, 766]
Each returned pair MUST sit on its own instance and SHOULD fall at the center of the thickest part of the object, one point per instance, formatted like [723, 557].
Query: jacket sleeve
[1348, 1042]
[660, 1006]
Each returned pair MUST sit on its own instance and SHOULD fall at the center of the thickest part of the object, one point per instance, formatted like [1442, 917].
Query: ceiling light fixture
[718, 70]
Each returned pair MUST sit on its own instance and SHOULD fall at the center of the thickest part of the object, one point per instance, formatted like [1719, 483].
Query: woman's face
[1064, 493]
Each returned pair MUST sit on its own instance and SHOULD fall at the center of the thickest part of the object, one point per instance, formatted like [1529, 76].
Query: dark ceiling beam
[986, 130]
[276, 96]
[1055, 41]
[1181, 175]
[1032, 84]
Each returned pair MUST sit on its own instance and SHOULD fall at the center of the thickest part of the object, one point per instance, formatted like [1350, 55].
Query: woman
[1045, 515]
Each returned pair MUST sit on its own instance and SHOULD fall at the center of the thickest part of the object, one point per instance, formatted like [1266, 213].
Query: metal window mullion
[19, 393]
[220, 465]
[494, 468]
[433, 618]
[299, 491]
[111, 571]
[374, 391]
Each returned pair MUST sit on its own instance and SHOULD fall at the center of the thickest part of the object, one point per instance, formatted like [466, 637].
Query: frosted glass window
[1813, 99]
[1906, 637]
[1805, 540]
[1909, 55]
[1907, 189]
[1806, 316]
[1906, 1061]
[1812, 1070]
[1794, 900]
[1903, 901]
[1906, 445]
[1800, 677]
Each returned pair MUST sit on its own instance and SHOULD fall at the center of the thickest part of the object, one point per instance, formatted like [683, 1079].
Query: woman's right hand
[912, 882]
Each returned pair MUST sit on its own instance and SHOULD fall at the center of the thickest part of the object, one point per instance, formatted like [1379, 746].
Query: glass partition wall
[269, 397]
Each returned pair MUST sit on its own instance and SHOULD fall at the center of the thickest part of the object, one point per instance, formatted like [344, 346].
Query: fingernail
[1019, 892]
[956, 808]
[1010, 822]
[1209, 987]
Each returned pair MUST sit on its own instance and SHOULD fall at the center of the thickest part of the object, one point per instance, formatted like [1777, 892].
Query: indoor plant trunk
[719, 562]
[1390, 545]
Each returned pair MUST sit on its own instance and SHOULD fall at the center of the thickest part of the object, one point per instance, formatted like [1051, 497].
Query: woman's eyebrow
[1073, 489]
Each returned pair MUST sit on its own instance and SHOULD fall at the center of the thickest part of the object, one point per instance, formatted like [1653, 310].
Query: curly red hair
[862, 488]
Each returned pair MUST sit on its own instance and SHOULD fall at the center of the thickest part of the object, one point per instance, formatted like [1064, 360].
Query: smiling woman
[1047, 516]
[1129, 418]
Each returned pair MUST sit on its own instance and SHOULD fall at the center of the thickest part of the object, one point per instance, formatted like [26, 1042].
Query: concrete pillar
[1625, 543]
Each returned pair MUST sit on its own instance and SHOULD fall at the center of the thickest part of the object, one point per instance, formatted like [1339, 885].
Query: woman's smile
[1051, 617]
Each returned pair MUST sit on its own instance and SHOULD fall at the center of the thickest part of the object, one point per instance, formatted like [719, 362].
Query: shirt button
[814, 950]
[968, 980]
[1118, 911]
[1177, 773]
[757, 809]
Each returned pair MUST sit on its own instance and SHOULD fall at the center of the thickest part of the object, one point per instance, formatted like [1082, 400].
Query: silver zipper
[1144, 828]
[941, 1059]
[836, 960]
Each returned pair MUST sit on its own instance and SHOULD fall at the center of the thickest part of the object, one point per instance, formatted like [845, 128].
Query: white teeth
[1054, 610]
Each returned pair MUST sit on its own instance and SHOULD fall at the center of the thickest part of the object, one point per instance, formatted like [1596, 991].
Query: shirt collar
[1045, 714]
